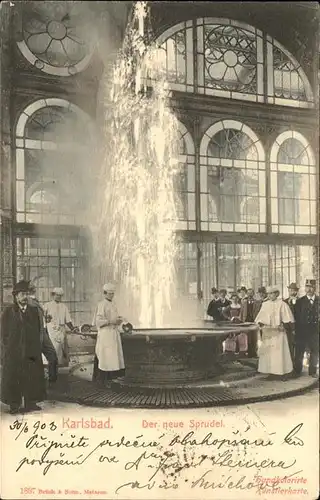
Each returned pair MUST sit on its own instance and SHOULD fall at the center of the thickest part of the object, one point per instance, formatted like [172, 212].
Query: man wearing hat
[307, 329]
[251, 305]
[213, 307]
[22, 380]
[274, 318]
[57, 317]
[109, 360]
[222, 303]
[249, 310]
[293, 290]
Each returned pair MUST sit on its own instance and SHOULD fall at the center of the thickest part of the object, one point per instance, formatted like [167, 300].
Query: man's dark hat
[262, 289]
[214, 290]
[242, 289]
[311, 283]
[293, 286]
[21, 286]
[222, 290]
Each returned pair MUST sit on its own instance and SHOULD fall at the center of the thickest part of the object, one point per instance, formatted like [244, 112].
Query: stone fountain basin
[176, 356]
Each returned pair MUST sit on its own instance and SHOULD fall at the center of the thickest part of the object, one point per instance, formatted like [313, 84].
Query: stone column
[6, 171]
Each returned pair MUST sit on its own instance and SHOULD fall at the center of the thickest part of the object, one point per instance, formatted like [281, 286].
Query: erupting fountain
[135, 237]
[137, 234]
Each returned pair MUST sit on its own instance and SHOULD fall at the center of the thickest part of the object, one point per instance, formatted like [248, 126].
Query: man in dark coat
[262, 296]
[222, 303]
[213, 305]
[217, 304]
[249, 310]
[293, 290]
[22, 377]
[48, 349]
[307, 329]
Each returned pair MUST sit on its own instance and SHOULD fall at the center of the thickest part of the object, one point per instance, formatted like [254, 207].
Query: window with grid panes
[229, 60]
[51, 262]
[232, 179]
[53, 146]
[293, 185]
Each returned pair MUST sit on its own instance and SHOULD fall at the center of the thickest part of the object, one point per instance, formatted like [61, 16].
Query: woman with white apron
[109, 361]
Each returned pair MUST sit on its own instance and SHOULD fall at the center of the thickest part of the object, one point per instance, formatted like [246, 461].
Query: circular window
[56, 37]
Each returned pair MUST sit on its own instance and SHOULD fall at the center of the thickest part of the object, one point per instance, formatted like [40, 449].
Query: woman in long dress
[274, 353]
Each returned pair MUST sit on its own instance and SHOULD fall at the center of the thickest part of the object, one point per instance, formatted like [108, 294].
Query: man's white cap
[273, 288]
[58, 291]
[109, 287]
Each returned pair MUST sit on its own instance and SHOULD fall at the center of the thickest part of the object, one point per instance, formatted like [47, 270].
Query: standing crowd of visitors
[288, 329]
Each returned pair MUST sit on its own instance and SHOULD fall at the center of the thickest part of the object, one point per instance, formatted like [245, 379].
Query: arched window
[52, 154]
[229, 60]
[185, 181]
[232, 173]
[293, 185]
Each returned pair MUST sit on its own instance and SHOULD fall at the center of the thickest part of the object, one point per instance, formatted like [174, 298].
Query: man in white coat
[274, 318]
[109, 361]
[57, 317]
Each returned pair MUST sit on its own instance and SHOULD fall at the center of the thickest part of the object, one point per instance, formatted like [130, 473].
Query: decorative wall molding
[247, 238]
[208, 106]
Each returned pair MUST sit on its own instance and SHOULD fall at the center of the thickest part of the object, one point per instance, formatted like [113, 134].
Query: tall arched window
[293, 185]
[185, 181]
[53, 164]
[229, 60]
[232, 175]
[52, 157]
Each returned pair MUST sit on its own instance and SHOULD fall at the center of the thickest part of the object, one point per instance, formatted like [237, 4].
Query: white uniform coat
[56, 329]
[274, 352]
[108, 347]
